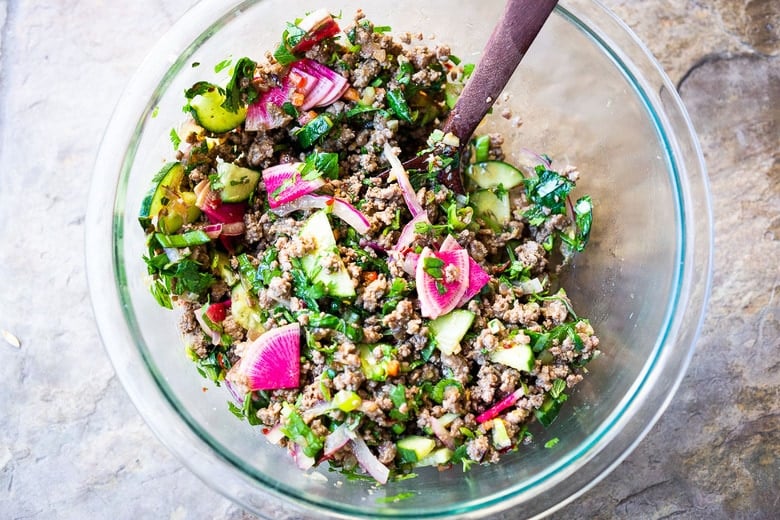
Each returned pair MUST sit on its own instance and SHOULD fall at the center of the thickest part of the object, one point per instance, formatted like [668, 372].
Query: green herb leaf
[326, 163]
[314, 130]
[552, 442]
[222, 65]
[175, 139]
[398, 104]
[200, 88]
[239, 91]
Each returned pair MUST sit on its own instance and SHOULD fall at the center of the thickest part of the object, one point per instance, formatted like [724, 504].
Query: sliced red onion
[409, 264]
[368, 460]
[406, 237]
[275, 434]
[215, 336]
[239, 399]
[323, 88]
[434, 303]
[307, 81]
[373, 245]
[302, 460]
[503, 404]
[270, 362]
[318, 409]
[440, 431]
[284, 184]
[336, 440]
[397, 169]
[339, 207]
[232, 229]
[536, 156]
[532, 286]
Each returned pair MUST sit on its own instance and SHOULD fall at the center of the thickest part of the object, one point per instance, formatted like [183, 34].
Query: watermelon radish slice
[503, 404]
[437, 296]
[284, 184]
[270, 362]
[478, 278]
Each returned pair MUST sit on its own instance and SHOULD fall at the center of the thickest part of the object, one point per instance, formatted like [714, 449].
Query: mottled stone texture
[71, 445]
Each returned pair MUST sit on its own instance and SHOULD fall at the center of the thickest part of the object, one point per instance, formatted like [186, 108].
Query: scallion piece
[190, 238]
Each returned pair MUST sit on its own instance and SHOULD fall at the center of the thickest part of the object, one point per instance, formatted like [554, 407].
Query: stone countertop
[72, 445]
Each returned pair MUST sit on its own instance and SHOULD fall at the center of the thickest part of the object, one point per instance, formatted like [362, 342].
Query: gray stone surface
[71, 444]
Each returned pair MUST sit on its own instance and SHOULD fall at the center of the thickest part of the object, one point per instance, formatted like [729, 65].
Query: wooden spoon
[517, 28]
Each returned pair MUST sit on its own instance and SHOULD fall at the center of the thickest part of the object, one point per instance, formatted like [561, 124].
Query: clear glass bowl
[588, 93]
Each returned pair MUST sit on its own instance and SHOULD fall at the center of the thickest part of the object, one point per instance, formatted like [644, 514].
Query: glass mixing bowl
[588, 93]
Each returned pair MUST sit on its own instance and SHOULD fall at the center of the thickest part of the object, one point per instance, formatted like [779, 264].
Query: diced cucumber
[548, 412]
[208, 112]
[245, 312]
[436, 458]
[449, 329]
[237, 183]
[337, 283]
[491, 207]
[520, 357]
[491, 174]
[501, 438]
[415, 448]
[220, 265]
[165, 184]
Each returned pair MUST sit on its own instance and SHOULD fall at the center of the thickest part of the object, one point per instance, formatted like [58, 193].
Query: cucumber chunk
[207, 110]
[337, 282]
[491, 174]
[245, 311]
[501, 438]
[490, 207]
[520, 357]
[415, 448]
[238, 183]
[436, 458]
[449, 329]
[165, 185]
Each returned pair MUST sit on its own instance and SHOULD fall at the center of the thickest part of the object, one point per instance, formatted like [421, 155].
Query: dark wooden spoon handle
[512, 36]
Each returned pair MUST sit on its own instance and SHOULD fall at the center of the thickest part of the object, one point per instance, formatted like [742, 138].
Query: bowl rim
[197, 450]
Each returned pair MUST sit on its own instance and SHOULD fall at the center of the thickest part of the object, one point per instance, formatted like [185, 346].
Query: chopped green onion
[190, 238]
[481, 148]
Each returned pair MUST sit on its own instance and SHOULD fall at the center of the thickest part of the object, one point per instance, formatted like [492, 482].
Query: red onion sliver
[368, 461]
[503, 404]
[339, 207]
[407, 233]
[442, 433]
[410, 197]
[336, 440]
